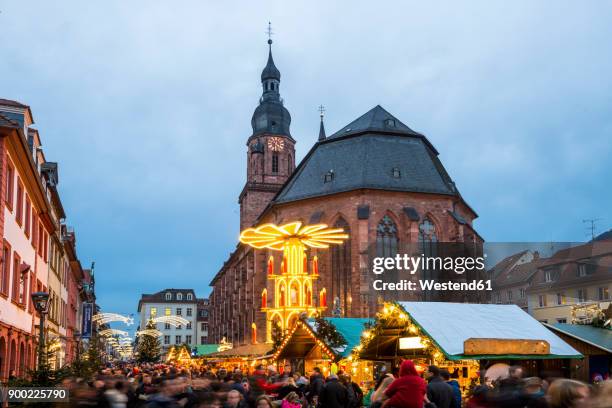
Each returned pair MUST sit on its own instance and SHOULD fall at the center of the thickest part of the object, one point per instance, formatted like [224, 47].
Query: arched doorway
[3, 358]
[12, 358]
[28, 356]
[22, 360]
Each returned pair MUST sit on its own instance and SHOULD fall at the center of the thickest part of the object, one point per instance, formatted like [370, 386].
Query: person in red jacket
[408, 391]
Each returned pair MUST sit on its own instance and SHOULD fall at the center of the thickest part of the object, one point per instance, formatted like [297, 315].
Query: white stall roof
[450, 324]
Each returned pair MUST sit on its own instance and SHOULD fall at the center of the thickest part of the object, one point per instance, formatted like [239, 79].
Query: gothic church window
[341, 268]
[386, 238]
[428, 238]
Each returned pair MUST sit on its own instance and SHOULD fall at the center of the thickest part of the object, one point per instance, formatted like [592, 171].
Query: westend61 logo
[436, 267]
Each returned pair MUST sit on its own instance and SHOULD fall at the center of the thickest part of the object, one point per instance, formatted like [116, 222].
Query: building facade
[171, 302]
[577, 276]
[376, 178]
[202, 321]
[512, 278]
[33, 257]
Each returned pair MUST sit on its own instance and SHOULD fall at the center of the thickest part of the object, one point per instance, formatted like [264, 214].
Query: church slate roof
[376, 119]
[366, 154]
[270, 71]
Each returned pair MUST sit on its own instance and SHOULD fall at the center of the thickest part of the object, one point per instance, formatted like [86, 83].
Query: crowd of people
[158, 386]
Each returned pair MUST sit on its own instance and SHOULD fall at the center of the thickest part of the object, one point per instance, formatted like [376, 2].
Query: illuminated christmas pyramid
[293, 287]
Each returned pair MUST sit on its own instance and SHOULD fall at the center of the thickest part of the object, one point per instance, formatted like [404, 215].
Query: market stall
[179, 355]
[244, 357]
[326, 343]
[472, 341]
[595, 343]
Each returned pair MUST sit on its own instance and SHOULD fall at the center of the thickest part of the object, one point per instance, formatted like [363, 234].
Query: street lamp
[41, 302]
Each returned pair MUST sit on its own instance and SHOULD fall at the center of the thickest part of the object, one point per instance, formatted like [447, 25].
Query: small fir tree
[277, 335]
[327, 332]
[148, 348]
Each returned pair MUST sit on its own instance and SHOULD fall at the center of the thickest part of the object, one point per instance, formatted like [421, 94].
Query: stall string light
[393, 311]
[309, 330]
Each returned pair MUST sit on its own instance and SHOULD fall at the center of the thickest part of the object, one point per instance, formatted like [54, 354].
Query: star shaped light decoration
[112, 332]
[276, 237]
[104, 318]
[149, 332]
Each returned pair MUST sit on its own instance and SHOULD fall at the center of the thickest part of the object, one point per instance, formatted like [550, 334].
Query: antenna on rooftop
[591, 228]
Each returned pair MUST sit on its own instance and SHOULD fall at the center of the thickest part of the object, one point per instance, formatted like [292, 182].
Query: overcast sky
[146, 105]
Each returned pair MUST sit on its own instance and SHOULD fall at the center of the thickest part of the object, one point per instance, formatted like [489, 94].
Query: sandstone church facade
[376, 178]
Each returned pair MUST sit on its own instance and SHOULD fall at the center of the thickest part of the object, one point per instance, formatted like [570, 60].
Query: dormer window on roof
[179, 296]
[189, 296]
[396, 172]
[389, 123]
[168, 296]
[329, 177]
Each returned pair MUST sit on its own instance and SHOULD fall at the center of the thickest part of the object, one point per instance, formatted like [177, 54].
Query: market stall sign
[410, 343]
[478, 346]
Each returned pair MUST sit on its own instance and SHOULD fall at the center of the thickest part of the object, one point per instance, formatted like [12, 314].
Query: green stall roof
[206, 349]
[595, 336]
[349, 327]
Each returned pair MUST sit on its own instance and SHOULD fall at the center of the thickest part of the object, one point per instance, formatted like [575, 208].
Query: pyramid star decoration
[294, 286]
[276, 237]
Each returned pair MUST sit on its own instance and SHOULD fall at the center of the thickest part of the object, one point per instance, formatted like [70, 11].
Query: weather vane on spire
[269, 32]
[321, 110]
[322, 135]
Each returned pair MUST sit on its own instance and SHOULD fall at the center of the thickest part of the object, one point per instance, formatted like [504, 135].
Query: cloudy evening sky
[146, 105]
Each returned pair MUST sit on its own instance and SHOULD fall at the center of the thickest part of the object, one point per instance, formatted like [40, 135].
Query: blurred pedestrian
[333, 394]
[263, 401]
[564, 393]
[291, 400]
[454, 385]
[438, 391]
[407, 391]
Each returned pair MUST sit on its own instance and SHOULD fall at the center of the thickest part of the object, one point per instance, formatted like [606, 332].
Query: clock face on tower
[276, 144]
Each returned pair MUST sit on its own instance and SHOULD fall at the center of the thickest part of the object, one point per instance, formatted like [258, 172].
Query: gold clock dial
[276, 144]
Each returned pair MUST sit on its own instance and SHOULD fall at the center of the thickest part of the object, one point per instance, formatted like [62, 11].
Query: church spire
[322, 127]
[270, 72]
[271, 116]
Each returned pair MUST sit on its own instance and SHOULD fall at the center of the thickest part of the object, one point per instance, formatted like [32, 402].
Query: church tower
[270, 149]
